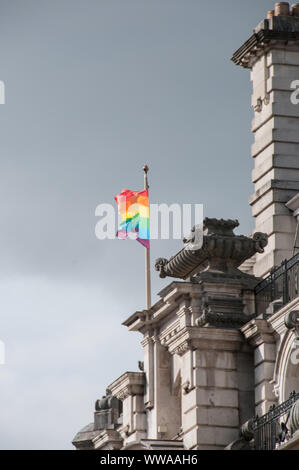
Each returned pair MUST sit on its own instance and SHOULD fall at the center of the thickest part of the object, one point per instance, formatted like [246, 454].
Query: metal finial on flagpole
[147, 254]
[145, 169]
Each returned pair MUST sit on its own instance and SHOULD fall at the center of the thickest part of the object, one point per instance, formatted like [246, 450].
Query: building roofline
[258, 43]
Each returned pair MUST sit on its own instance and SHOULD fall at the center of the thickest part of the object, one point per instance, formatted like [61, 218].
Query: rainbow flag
[133, 207]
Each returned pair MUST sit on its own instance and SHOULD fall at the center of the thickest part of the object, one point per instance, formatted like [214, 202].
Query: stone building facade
[221, 346]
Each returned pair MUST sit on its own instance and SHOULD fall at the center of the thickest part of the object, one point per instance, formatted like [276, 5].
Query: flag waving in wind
[133, 207]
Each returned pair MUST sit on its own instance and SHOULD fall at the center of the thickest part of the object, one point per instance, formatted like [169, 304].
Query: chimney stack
[295, 9]
[282, 9]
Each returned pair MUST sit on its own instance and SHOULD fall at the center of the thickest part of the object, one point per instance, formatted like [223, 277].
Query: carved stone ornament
[247, 430]
[222, 251]
[107, 412]
[159, 266]
[219, 319]
[181, 348]
[292, 321]
[106, 402]
[245, 441]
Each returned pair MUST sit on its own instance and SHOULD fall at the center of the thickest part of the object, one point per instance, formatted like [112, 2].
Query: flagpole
[147, 256]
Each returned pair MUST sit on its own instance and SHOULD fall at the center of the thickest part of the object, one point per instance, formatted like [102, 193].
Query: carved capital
[190, 339]
[146, 341]
[123, 394]
[181, 348]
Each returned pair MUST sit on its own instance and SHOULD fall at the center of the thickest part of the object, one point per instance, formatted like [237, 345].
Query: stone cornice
[258, 331]
[130, 383]
[259, 43]
[172, 295]
[190, 338]
[90, 439]
[178, 296]
[109, 439]
[169, 332]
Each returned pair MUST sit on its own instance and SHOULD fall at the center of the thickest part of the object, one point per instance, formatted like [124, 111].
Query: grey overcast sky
[95, 89]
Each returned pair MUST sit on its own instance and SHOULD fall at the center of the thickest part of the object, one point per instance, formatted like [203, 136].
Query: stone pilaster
[167, 406]
[148, 348]
[161, 401]
[261, 337]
